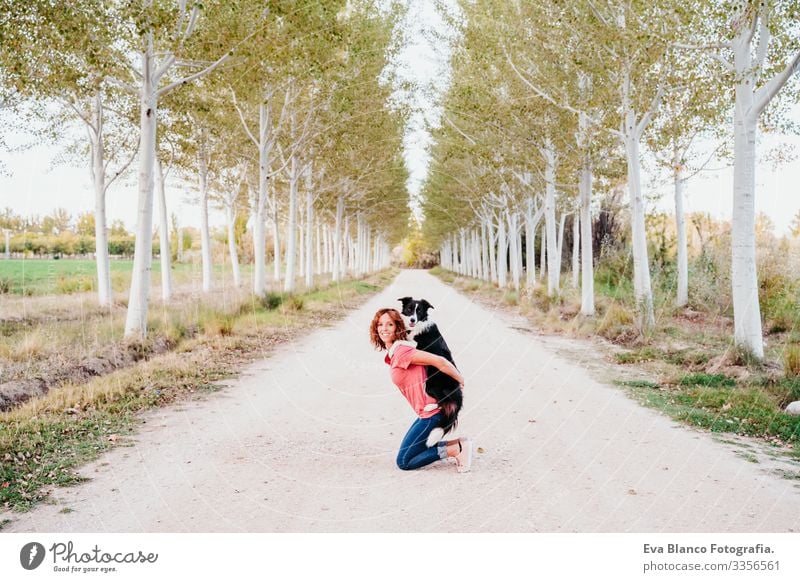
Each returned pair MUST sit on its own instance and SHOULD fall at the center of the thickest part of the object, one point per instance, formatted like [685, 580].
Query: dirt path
[305, 441]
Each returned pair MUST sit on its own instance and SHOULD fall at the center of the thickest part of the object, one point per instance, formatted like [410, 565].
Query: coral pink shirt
[410, 378]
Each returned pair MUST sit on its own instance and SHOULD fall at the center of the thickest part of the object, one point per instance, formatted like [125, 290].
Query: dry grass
[615, 322]
[27, 345]
[791, 360]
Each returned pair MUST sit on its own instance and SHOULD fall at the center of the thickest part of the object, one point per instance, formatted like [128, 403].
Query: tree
[179, 39]
[759, 50]
[84, 225]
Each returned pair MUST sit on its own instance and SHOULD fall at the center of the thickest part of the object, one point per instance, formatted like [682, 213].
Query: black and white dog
[439, 385]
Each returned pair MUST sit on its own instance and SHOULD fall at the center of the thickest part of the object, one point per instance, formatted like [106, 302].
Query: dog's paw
[436, 435]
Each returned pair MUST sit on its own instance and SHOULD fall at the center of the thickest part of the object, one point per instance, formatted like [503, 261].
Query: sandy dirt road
[305, 440]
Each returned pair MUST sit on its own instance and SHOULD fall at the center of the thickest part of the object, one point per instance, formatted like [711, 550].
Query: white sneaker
[464, 458]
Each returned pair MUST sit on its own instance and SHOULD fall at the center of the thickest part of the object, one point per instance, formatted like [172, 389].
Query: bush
[5, 285]
[272, 301]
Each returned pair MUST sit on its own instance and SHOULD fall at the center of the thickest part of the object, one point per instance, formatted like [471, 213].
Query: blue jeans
[414, 451]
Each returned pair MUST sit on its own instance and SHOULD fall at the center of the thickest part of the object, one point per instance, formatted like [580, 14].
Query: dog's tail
[450, 410]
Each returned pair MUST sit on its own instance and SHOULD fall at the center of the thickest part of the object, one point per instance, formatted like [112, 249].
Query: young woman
[388, 332]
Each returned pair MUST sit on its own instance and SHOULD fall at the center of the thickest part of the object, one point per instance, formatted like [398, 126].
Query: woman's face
[386, 329]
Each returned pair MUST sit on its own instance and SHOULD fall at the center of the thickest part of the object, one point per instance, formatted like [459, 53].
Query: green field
[49, 276]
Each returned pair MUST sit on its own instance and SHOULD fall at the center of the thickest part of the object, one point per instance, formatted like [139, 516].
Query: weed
[511, 298]
[747, 456]
[742, 356]
[702, 379]
[33, 344]
[687, 358]
[616, 322]
[216, 323]
[67, 285]
[640, 384]
[644, 354]
[293, 303]
[175, 332]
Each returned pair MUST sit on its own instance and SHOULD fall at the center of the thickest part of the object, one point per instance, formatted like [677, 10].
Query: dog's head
[414, 312]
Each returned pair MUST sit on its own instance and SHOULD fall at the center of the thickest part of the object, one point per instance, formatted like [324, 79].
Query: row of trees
[57, 222]
[278, 109]
[551, 105]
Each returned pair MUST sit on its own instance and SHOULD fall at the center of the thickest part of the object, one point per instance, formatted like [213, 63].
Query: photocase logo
[31, 555]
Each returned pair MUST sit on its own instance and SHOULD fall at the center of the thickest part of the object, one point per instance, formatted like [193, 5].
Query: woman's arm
[427, 359]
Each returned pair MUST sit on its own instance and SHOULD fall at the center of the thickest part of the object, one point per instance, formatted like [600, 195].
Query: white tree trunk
[641, 265]
[205, 234]
[531, 222]
[587, 266]
[348, 247]
[477, 252]
[337, 241]
[318, 246]
[484, 252]
[549, 154]
[163, 236]
[491, 250]
[230, 214]
[327, 262]
[560, 247]
[276, 239]
[259, 236]
[136, 318]
[301, 239]
[542, 253]
[530, 250]
[502, 250]
[744, 277]
[680, 228]
[750, 103]
[103, 263]
[291, 251]
[513, 248]
[309, 266]
[576, 261]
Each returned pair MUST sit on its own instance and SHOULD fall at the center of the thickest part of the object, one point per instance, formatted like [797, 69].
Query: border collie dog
[439, 385]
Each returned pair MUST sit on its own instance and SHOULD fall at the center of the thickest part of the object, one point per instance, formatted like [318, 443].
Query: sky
[31, 183]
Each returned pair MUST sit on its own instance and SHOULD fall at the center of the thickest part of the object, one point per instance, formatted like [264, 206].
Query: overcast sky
[32, 184]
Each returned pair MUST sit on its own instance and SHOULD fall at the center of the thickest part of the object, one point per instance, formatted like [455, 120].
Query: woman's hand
[422, 358]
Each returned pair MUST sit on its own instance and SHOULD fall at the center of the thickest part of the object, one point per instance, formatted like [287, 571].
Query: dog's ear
[425, 303]
[405, 300]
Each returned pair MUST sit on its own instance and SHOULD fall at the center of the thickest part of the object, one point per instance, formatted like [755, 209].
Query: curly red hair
[399, 332]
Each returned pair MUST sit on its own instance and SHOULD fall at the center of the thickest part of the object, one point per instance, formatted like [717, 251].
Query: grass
[713, 380]
[66, 276]
[44, 440]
